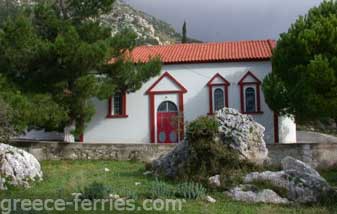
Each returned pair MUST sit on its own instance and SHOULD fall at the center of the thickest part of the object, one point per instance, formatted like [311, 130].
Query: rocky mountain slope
[149, 29]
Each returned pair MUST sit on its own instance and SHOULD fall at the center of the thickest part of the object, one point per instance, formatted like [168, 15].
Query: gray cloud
[219, 20]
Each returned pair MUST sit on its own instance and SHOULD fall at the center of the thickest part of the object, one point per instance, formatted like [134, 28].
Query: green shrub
[202, 128]
[160, 189]
[190, 190]
[95, 191]
[130, 194]
[208, 156]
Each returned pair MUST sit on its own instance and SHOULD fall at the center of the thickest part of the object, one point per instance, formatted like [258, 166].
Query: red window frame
[212, 85]
[111, 110]
[256, 84]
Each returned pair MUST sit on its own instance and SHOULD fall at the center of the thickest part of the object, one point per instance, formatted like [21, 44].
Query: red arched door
[167, 123]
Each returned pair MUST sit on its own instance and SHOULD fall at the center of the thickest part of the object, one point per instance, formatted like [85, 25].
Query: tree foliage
[184, 32]
[56, 55]
[6, 129]
[7, 9]
[304, 77]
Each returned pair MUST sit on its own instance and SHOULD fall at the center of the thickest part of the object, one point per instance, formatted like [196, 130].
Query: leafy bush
[160, 189]
[191, 190]
[208, 156]
[95, 191]
[202, 128]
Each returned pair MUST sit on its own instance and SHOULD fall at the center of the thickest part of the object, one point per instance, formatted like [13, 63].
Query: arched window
[250, 100]
[218, 93]
[167, 106]
[219, 102]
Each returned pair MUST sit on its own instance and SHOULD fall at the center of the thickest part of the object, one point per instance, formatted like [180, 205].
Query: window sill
[253, 113]
[117, 116]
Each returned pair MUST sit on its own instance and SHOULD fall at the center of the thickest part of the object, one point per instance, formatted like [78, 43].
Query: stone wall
[318, 155]
[323, 155]
[77, 151]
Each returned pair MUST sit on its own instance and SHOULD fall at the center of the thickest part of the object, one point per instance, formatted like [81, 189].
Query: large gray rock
[169, 164]
[243, 134]
[17, 167]
[240, 131]
[294, 166]
[303, 183]
[279, 179]
[247, 193]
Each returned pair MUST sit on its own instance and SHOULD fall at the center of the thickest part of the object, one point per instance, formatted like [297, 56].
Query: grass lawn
[61, 178]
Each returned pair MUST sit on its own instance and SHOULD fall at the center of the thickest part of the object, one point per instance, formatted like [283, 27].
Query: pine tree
[58, 53]
[304, 77]
[184, 32]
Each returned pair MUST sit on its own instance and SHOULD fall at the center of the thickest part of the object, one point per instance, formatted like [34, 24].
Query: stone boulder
[249, 194]
[240, 131]
[214, 181]
[243, 134]
[17, 167]
[169, 164]
[303, 183]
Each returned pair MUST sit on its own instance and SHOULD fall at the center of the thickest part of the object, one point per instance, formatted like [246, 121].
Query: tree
[304, 77]
[6, 130]
[57, 53]
[33, 110]
[184, 38]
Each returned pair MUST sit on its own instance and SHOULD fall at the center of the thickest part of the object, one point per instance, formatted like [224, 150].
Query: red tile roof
[207, 52]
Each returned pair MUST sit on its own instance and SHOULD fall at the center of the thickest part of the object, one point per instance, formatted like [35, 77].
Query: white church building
[196, 80]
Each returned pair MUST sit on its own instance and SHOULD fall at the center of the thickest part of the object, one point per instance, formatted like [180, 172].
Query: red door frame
[153, 110]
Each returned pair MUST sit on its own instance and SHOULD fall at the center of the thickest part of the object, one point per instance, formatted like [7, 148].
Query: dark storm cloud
[218, 20]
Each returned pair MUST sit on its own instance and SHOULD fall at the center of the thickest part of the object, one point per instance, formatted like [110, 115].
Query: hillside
[149, 29]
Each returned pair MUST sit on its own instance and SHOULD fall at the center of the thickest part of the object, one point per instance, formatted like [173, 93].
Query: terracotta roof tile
[207, 52]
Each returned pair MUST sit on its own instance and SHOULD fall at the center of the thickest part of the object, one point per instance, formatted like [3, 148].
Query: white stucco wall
[287, 129]
[194, 77]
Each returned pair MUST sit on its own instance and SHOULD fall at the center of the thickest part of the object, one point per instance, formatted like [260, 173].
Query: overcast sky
[219, 20]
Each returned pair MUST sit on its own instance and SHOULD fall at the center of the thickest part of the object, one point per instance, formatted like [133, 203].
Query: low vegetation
[95, 190]
[191, 190]
[62, 178]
